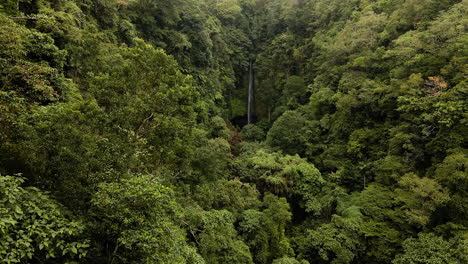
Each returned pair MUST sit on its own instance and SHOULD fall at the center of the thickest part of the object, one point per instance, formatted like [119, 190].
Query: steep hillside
[234, 131]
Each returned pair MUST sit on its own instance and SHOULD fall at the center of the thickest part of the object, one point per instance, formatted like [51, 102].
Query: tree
[289, 133]
[295, 92]
[337, 242]
[288, 260]
[252, 132]
[420, 197]
[35, 226]
[452, 174]
[228, 10]
[119, 108]
[215, 236]
[287, 175]
[264, 230]
[427, 248]
[146, 95]
[138, 220]
[233, 195]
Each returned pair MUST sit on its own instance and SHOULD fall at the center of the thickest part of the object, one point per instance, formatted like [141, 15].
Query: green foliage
[29, 63]
[339, 241]
[289, 133]
[428, 248]
[34, 226]
[295, 92]
[420, 196]
[284, 175]
[215, 236]
[212, 159]
[376, 206]
[264, 230]
[140, 101]
[252, 133]
[229, 10]
[288, 260]
[452, 173]
[234, 196]
[119, 110]
[142, 218]
[219, 128]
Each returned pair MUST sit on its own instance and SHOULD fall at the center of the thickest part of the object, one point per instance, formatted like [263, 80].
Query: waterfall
[251, 88]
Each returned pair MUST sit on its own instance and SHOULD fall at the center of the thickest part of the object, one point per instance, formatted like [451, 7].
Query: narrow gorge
[234, 131]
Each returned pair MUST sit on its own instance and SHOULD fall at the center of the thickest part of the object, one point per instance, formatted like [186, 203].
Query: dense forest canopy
[234, 131]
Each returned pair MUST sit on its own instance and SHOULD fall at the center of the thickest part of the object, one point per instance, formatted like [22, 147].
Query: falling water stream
[251, 88]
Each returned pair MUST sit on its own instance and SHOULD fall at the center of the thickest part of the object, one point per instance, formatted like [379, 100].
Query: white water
[251, 88]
